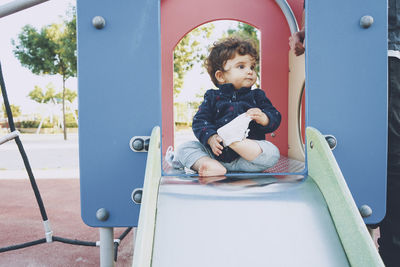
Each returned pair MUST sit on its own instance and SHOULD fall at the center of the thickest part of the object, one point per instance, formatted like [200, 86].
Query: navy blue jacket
[221, 106]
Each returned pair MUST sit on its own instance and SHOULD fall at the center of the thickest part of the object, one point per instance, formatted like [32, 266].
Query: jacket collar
[227, 88]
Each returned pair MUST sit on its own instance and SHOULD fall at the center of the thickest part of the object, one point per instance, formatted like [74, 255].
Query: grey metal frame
[288, 12]
[18, 5]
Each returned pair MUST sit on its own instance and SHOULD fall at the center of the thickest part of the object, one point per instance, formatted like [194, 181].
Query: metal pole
[18, 5]
[290, 18]
[106, 247]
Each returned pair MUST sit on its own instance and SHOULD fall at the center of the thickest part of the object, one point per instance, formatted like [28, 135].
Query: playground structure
[124, 53]
[133, 44]
[8, 9]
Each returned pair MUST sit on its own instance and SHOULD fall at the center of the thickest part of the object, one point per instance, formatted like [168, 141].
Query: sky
[19, 80]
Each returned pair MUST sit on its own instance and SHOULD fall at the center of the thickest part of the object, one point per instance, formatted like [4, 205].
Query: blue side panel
[119, 97]
[347, 91]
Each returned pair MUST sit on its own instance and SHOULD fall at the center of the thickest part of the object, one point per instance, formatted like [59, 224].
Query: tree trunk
[63, 107]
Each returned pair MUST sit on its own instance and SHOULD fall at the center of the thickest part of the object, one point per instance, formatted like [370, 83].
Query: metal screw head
[366, 21]
[365, 211]
[311, 144]
[273, 134]
[138, 144]
[99, 22]
[137, 195]
[332, 142]
[102, 214]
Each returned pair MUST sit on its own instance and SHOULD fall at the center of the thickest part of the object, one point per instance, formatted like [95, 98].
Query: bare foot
[209, 167]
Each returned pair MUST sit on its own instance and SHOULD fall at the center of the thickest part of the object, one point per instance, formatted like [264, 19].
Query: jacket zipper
[234, 104]
[234, 96]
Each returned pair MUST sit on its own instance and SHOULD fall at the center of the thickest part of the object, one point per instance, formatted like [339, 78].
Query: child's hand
[215, 143]
[259, 116]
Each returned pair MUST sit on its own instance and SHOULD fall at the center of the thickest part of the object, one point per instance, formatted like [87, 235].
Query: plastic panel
[119, 97]
[346, 81]
[178, 17]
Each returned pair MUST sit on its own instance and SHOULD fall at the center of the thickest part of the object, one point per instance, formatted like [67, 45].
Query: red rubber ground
[20, 221]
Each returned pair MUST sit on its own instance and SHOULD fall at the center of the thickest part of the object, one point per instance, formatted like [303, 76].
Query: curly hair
[226, 49]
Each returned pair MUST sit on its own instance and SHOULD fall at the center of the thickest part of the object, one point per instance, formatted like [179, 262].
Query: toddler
[232, 121]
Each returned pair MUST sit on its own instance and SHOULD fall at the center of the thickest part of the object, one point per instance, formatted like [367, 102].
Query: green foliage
[245, 31]
[71, 123]
[40, 97]
[187, 52]
[70, 120]
[15, 110]
[29, 124]
[35, 124]
[50, 95]
[68, 94]
[50, 50]
[68, 41]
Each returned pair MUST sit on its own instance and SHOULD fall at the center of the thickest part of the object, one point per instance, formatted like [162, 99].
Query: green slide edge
[324, 170]
[146, 226]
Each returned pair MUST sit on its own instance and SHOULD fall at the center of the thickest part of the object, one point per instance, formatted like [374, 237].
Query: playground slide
[264, 221]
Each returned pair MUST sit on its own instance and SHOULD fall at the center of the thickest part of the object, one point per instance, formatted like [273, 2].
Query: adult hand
[215, 143]
[296, 42]
[258, 116]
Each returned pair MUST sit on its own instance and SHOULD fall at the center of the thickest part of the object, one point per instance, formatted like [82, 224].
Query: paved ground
[55, 165]
[49, 155]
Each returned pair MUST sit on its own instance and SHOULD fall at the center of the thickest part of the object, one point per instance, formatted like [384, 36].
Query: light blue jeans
[188, 153]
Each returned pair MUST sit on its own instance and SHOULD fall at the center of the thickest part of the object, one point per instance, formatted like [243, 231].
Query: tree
[50, 95]
[40, 97]
[187, 52]
[52, 51]
[245, 31]
[68, 95]
[15, 110]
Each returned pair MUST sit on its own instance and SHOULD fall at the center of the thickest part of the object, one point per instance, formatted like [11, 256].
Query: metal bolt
[137, 195]
[102, 214]
[366, 21]
[332, 142]
[311, 144]
[138, 144]
[99, 22]
[273, 135]
[365, 211]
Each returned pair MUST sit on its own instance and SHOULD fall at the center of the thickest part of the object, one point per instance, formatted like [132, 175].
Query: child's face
[240, 71]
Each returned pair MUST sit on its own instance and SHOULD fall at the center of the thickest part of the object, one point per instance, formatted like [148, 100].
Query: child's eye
[241, 66]
[252, 67]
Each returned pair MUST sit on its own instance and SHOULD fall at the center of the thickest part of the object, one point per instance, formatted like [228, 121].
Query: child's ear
[219, 75]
